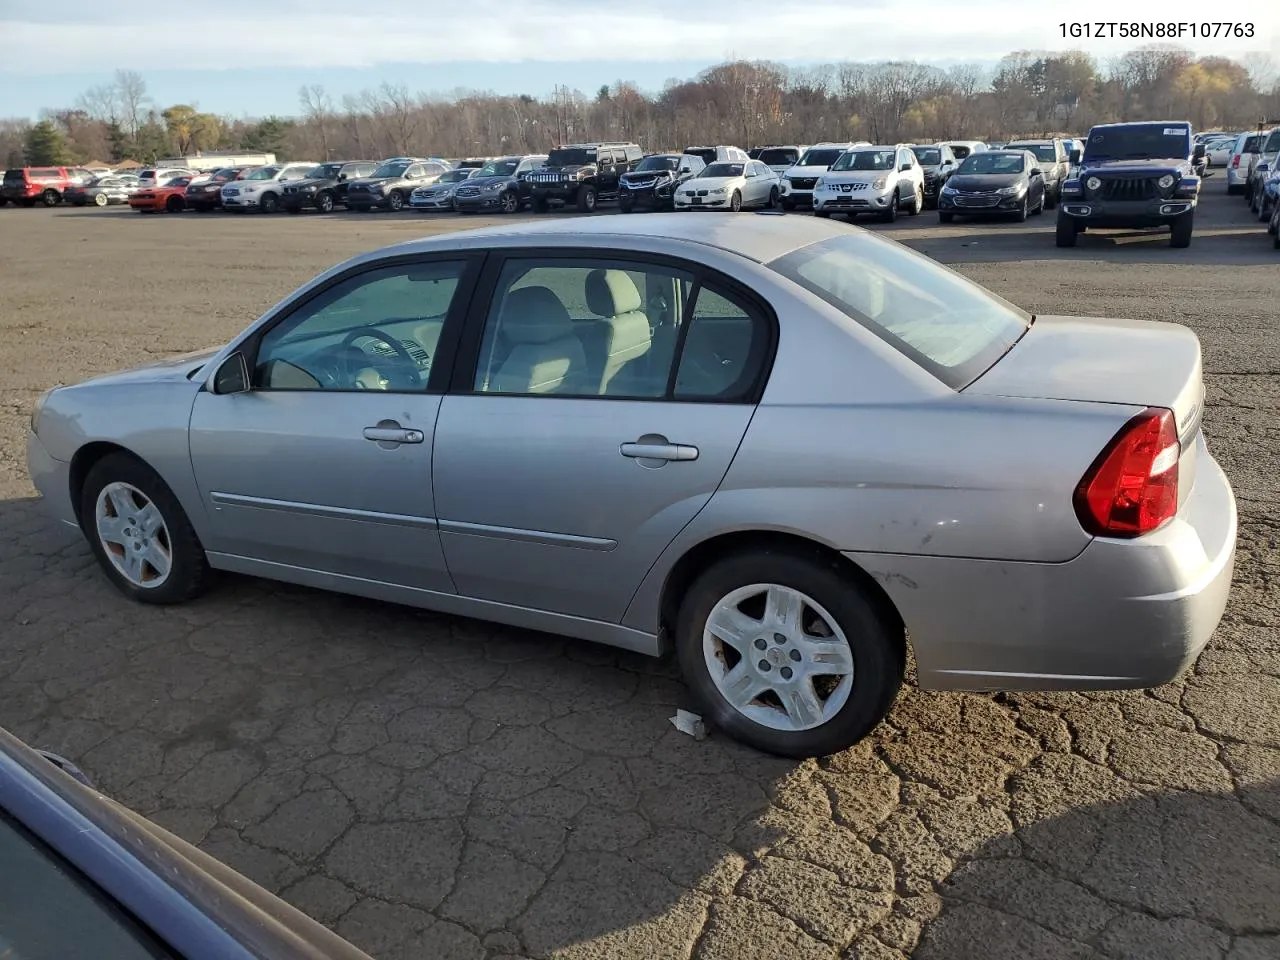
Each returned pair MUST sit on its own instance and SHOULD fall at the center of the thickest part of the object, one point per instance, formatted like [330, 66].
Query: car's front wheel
[395, 201]
[510, 202]
[788, 653]
[1065, 232]
[140, 533]
[1180, 231]
[324, 201]
[269, 203]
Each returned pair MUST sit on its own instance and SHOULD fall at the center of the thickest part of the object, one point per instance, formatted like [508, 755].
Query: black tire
[324, 201]
[1275, 239]
[190, 574]
[945, 216]
[1180, 231]
[875, 640]
[735, 202]
[586, 199]
[917, 203]
[1022, 212]
[1040, 207]
[540, 205]
[1264, 212]
[101, 200]
[395, 201]
[174, 205]
[1050, 199]
[510, 202]
[1065, 233]
[773, 199]
[269, 203]
[51, 198]
[891, 214]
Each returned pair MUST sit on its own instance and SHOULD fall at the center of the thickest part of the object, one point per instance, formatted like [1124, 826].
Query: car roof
[771, 235]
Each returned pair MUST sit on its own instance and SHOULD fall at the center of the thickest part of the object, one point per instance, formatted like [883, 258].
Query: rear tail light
[1235, 161]
[1132, 488]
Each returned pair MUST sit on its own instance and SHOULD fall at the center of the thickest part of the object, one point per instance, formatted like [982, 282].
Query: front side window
[377, 330]
[946, 323]
[617, 330]
[48, 909]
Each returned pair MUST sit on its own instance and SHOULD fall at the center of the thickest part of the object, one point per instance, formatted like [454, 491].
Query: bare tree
[317, 112]
[131, 95]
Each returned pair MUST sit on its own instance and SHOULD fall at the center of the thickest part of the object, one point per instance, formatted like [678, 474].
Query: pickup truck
[1133, 175]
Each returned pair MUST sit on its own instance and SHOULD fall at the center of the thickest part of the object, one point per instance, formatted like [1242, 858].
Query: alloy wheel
[133, 535]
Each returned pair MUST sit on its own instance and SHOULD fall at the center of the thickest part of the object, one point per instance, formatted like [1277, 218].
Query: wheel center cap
[776, 657]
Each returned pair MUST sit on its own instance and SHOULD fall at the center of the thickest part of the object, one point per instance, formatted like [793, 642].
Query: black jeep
[1133, 175]
[581, 174]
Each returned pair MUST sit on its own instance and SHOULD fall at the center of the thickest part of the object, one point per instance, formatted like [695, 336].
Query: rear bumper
[1124, 614]
[52, 478]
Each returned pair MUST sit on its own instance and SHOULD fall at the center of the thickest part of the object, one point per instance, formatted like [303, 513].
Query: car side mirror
[342, 177]
[904, 168]
[232, 375]
[1074, 156]
[685, 170]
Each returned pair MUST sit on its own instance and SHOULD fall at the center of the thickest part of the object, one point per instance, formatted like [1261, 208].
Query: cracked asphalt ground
[441, 788]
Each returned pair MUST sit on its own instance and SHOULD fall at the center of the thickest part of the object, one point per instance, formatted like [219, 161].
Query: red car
[26, 185]
[171, 197]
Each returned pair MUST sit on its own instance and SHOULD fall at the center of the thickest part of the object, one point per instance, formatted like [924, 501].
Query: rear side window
[1273, 142]
[1250, 144]
[945, 323]
[15, 176]
[45, 173]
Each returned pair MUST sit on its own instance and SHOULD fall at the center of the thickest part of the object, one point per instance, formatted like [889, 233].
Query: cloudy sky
[251, 58]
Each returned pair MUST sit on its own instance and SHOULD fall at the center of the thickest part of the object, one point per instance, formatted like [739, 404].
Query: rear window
[947, 324]
[777, 158]
[821, 157]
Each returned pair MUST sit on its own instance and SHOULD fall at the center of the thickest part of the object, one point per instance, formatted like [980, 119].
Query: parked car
[881, 180]
[87, 877]
[1260, 196]
[169, 197]
[497, 185]
[262, 187]
[730, 185]
[1134, 175]
[1242, 155]
[756, 499]
[439, 195]
[994, 183]
[325, 185]
[1272, 188]
[102, 191]
[719, 154]
[155, 176]
[205, 194]
[1218, 152]
[653, 183]
[582, 175]
[26, 185]
[389, 186]
[1268, 146]
[937, 163]
[798, 181]
[778, 157]
[1054, 162]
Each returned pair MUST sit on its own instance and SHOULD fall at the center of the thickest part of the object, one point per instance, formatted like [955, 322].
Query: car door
[322, 460]
[596, 406]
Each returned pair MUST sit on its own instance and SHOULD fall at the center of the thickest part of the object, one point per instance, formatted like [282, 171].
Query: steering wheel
[413, 379]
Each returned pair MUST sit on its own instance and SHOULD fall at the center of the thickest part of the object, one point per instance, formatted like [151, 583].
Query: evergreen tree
[268, 136]
[119, 142]
[47, 146]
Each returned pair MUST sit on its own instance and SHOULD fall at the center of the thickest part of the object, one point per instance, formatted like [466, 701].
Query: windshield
[499, 168]
[866, 160]
[650, 164]
[262, 173]
[820, 157]
[947, 324]
[389, 170]
[324, 171]
[779, 157]
[453, 176]
[960, 151]
[927, 156]
[1002, 163]
[575, 157]
[722, 170]
[226, 173]
[1138, 141]
[1043, 151]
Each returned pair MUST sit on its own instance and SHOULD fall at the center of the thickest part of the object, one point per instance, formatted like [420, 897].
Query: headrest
[534, 315]
[611, 292]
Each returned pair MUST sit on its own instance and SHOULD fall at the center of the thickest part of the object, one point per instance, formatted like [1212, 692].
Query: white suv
[260, 189]
[798, 181]
[879, 180]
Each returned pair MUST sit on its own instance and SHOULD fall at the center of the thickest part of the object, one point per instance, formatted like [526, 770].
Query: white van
[722, 154]
[962, 148]
[159, 176]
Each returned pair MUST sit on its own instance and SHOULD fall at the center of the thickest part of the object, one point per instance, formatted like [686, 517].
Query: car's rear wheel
[787, 653]
[1065, 235]
[269, 203]
[101, 200]
[140, 533]
[1180, 231]
[51, 198]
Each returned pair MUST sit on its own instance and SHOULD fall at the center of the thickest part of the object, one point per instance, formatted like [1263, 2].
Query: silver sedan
[787, 449]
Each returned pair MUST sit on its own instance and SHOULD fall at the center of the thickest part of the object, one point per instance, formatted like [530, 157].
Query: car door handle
[659, 451]
[393, 435]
